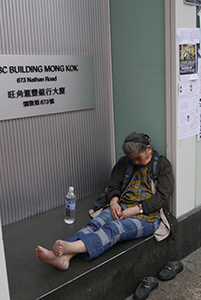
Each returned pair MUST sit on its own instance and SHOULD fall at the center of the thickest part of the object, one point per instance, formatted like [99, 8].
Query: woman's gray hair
[135, 143]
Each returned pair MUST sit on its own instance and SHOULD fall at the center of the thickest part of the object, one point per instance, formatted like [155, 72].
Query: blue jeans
[103, 232]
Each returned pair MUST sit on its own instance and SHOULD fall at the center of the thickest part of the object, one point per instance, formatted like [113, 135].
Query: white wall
[186, 148]
[181, 152]
[4, 292]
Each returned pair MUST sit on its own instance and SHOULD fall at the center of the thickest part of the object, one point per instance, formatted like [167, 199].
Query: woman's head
[136, 146]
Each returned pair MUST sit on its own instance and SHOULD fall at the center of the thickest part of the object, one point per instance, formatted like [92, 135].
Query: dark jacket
[165, 187]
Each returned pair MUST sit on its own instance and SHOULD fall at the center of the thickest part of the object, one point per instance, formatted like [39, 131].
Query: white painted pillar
[182, 153]
[4, 291]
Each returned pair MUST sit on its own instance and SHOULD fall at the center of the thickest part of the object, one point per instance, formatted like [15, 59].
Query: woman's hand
[126, 213]
[130, 212]
[115, 208]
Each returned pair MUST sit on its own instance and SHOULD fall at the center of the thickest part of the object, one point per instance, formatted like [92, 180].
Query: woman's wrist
[114, 200]
[140, 209]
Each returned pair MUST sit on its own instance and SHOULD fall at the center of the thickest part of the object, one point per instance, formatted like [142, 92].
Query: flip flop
[146, 286]
[170, 270]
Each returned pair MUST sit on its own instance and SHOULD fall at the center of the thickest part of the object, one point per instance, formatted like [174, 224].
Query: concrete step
[113, 275]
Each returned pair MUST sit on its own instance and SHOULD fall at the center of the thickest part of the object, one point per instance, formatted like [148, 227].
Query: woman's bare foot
[72, 248]
[49, 257]
[60, 247]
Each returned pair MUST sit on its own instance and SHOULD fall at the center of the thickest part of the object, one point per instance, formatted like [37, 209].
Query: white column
[4, 291]
[182, 153]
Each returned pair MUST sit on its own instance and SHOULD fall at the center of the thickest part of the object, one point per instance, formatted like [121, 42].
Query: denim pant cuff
[92, 242]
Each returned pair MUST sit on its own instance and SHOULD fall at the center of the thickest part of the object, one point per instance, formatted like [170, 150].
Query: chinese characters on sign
[38, 85]
[36, 93]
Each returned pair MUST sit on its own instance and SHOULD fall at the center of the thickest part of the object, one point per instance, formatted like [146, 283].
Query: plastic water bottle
[70, 204]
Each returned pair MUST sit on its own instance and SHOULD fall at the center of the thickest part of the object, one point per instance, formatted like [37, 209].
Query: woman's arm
[131, 211]
[165, 187]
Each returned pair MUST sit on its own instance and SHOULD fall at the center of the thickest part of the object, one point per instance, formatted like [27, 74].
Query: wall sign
[38, 85]
[193, 2]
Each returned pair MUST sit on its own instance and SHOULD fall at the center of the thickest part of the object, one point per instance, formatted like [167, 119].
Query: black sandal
[170, 270]
[146, 286]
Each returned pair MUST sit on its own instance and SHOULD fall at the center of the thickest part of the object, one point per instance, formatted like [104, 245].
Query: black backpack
[102, 200]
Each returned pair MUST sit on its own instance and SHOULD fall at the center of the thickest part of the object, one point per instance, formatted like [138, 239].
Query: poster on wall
[45, 84]
[187, 59]
[187, 38]
[188, 100]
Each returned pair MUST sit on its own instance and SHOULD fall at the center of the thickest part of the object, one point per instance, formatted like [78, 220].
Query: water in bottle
[70, 203]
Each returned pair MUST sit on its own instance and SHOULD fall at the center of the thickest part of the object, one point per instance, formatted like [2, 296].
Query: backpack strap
[116, 166]
[154, 167]
[128, 175]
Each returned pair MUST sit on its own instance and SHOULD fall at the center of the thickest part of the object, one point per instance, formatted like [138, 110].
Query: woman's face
[143, 158]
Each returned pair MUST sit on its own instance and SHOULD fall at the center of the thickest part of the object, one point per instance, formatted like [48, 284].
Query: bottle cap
[71, 189]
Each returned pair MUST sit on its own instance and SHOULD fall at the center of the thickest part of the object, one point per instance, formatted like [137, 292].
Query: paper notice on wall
[188, 110]
[188, 35]
[199, 94]
[199, 77]
[199, 134]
